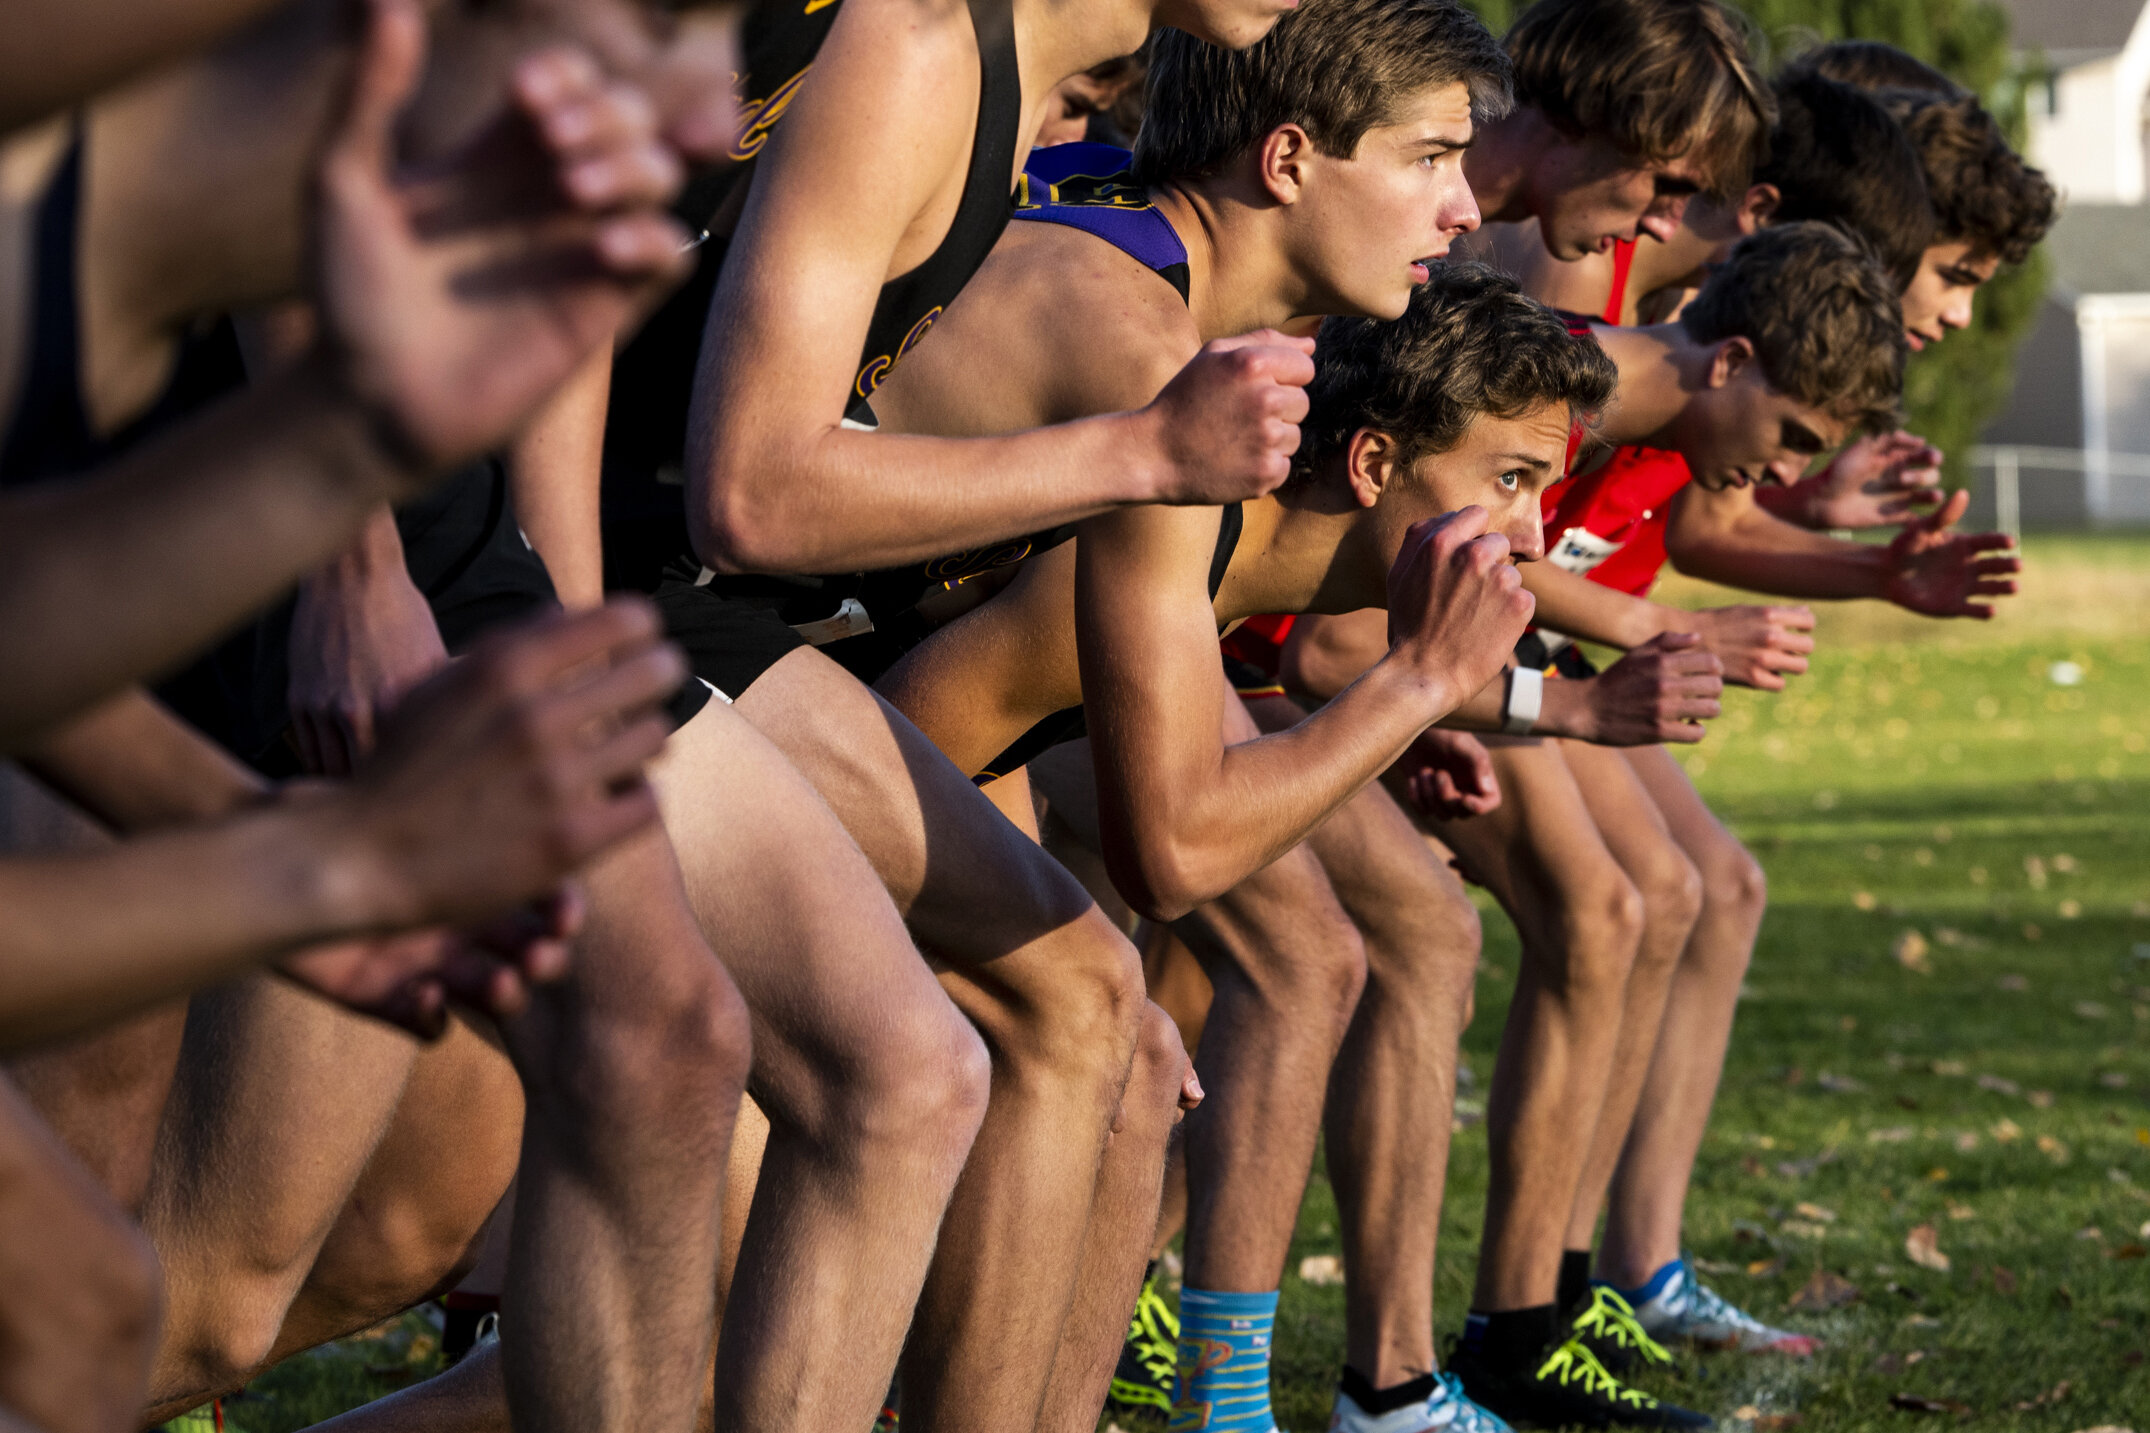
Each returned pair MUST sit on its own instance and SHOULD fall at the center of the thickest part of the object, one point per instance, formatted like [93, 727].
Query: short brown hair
[1871, 65]
[1659, 79]
[1470, 343]
[1983, 193]
[1823, 315]
[1336, 68]
[1837, 155]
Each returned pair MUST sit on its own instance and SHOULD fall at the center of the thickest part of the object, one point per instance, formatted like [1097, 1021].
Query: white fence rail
[2102, 487]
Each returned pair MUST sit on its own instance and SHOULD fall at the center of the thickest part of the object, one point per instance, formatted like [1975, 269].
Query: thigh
[789, 902]
[1539, 846]
[1681, 808]
[1628, 818]
[969, 883]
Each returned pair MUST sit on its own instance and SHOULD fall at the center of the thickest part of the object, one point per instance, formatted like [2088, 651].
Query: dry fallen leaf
[1924, 1248]
[2004, 1280]
[1765, 1268]
[1910, 951]
[1321, 1269]
[1864, 900]
[2131, 1251]
[1966, 1141]
[2040, 1099]
[1999, 1085]
[1961, 1211]
[1948, 1067]
[2015, 984]
[2052, 1149]
[2007, 1130]
[1825, 1290]
[1814, 1211]
[2052, 1395]
[1803, 1229]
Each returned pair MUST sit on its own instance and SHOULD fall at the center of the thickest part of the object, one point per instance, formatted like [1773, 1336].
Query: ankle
[1505, 1338]
[1375, 1401]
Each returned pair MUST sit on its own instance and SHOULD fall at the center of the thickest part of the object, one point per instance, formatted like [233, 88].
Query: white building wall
[2115, 331]
[2084, 144]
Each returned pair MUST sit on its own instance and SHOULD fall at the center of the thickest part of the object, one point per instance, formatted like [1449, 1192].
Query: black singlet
[49, 434]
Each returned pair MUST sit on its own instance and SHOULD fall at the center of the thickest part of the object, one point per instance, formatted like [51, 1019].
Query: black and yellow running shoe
[1142, 1382]
[1567, 1388]
[1606, 1325]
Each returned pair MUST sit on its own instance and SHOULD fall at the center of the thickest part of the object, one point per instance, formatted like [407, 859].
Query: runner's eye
[1511, 481]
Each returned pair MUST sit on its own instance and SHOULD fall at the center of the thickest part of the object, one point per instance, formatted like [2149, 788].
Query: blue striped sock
[1224, 1363]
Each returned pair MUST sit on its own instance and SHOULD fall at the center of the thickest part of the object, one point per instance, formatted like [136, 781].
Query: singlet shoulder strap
[1088, 187]
[1623, 265]
[49, 425]
[1228, 529]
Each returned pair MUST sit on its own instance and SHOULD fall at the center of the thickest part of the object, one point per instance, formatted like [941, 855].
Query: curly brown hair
[1471, 343]
[1660, 79]
[1872, 65]
[1336, 68]
[1983, 193]
[1823, 315]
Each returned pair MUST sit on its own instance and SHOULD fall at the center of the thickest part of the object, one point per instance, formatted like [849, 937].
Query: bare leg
[1051, 985]
[1392, 1092]
[1580, 919]
[1671, 890]
[1642, 1229]
[104, 1094]
[78, 1288]
[872, 1083]
[1124, 1214]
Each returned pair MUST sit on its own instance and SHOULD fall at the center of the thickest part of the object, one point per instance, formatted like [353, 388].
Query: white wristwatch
[1526, 698]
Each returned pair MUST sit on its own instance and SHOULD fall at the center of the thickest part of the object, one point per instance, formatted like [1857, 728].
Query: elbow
[740, 526]
[1164, 880]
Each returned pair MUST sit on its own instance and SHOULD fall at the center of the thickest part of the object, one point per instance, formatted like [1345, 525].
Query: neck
[1311, 549]
[1661, 369]
[1058, 38]
[1239, 277]
[1499, 164]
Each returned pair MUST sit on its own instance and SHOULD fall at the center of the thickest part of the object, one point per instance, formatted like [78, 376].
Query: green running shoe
[1608, 1328]
[1142, 1382]
[1568, 1388]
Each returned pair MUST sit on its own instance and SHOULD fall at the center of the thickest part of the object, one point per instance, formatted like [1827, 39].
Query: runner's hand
[1758, 644]
[1661, 691]
[1228, 422]
[1941, 573]
[1878, 481]
[408, 979]
[356, 647]
[507, 771]
[1449, 776]
[1457, 606]
[455, 298]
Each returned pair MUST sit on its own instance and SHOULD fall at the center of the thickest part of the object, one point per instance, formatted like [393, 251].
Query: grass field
[1947, 1026]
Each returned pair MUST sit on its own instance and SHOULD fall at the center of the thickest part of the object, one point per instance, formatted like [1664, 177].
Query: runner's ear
[1285, 153]
[1731, 359]
[1370, 464]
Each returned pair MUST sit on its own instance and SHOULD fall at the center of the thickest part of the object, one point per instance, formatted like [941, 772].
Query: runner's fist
[1758, 644]
[1228, 422]
[1449, 776]
[1661, 691]
[500, 776]
[1456, 603]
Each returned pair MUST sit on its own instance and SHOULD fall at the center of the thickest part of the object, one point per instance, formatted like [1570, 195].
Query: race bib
[1580, 549]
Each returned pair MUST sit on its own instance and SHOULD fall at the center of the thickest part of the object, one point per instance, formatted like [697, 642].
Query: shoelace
[1156, 1333]
[1573, 1362]
[1612, 1318]
[1469, 1417]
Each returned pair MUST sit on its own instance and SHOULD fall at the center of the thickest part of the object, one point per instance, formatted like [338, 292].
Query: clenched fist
[1456, 603]
[1228, 423]
[1661, 691]
[1758, 645]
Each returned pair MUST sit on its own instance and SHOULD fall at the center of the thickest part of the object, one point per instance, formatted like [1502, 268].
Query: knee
[1735, 883]
[1076, 1010]
[1600, 930]
[1672, 894]
[921, 1087]
[1153, 1084]
[675, 1047]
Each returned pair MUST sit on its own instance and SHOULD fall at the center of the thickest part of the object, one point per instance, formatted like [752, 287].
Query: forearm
[1578, 607]
[1793, 503]
[849, 501]
[124, 574]
[1176, 841]
[1565, 709]
[59, 52]
[136, 767]
[1725, 539]
[555, 476]
[92, 938]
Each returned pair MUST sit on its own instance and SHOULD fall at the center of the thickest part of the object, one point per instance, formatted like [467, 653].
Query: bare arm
[1186, 817]
[435, 348]
[1928, 568]
[494, 784]
[555, 474]
[55, 53]
[1758, 645]
[1659, 692]
[776, 484]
